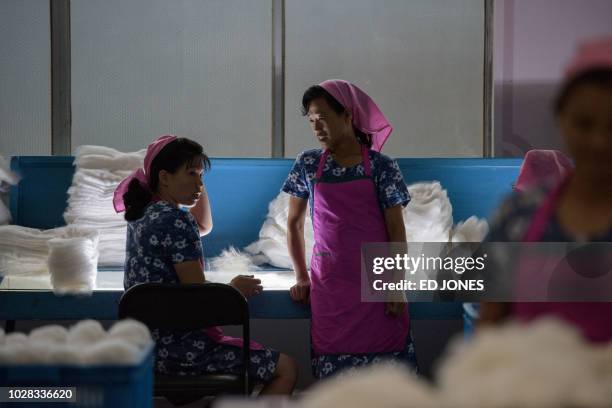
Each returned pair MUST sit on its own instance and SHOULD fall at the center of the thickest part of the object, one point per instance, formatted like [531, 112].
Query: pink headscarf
[591, 54]
[542, 167]
[141, 174]
[366, 115]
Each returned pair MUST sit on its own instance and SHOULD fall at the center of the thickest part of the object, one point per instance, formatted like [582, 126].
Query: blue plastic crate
[96, 386]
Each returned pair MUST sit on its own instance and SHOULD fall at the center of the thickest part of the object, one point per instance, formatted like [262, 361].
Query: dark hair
[176, 154]
[316, 92]
[599, 77]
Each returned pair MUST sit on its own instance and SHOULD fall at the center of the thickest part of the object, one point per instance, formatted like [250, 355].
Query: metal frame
[278, 78]
[61, 120]
[488, 147]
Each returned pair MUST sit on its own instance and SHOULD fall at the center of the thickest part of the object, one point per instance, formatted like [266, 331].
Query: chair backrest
[185, 306]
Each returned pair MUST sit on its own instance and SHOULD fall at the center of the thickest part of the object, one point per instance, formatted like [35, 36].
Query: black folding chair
[191, 307]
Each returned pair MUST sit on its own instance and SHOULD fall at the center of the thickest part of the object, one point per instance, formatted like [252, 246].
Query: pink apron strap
[366, 161]
[543, 214]
[322, 164]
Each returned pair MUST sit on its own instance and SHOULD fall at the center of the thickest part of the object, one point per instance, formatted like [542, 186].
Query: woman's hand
[247, 285]
[300, 292]
[202, 214]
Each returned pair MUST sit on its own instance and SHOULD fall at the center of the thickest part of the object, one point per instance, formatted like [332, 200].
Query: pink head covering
[591, 54]
[542, 167]
[142, 174]
[366, 115]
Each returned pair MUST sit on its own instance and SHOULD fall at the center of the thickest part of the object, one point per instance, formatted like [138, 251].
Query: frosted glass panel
[199, 69]
[25, 78]
[421, 60]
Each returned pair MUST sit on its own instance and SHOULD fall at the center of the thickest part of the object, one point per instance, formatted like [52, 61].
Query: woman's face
[586, 126]
[328, 127]
[185, 185]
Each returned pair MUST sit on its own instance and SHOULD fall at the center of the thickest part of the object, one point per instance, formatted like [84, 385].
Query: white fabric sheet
[7, 178]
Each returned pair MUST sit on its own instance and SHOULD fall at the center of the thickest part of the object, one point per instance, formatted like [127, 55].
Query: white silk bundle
[73, 260]
[85, 343]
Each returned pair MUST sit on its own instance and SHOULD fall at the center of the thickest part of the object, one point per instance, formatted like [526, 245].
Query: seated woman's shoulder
[519, 204]
[162, 210]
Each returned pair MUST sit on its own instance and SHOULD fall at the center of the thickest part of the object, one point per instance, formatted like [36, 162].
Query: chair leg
[9, 326]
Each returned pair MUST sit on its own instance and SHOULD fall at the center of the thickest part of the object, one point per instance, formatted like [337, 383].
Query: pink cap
[366, 115]
[591, 54]
[542, 167]
[141, 174]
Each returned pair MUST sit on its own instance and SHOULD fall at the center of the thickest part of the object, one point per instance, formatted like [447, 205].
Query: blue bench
[239, 190]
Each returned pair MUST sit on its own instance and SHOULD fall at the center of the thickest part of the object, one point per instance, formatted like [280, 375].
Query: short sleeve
[499, 221]
[512, 218]
[179, 236]
[392, 189]
[296, 183]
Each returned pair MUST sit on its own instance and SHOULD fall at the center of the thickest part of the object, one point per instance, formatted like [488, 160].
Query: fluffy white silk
[15, 338]
[428, 218]
[381, 386]
[98, 171]
[7, 178]
[86, 332]
[132, 331]
[233, 260]
[271, 247]
[471, 230]
[85, 343]
[52, 333]
[25, 251]
[545, 364]
[73, 260]
[111, 351]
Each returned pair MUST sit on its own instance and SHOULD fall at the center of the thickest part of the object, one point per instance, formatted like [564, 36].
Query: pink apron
[346, 214]
[216, 334]
[593, 319]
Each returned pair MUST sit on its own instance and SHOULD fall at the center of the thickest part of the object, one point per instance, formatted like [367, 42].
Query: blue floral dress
[391, 190]
[388, 178]
[162, 237]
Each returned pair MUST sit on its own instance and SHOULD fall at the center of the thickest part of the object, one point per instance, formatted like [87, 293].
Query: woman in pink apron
[163, 245]
[578, 204]
[356, 196]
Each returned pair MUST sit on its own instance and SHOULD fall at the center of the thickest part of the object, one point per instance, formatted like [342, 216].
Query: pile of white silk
[7, 179]
[24, 251]
[68, 254]
[545, 365]
[90, 197]
[86, 343]
[428, 217]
